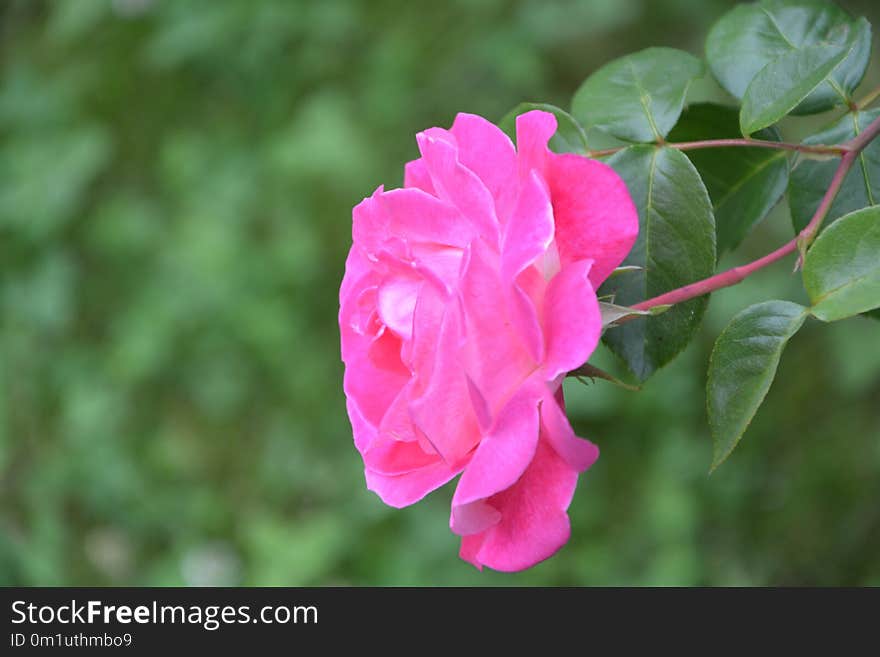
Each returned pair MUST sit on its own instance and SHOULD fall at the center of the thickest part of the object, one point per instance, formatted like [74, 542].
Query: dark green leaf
[780, 86]
[638, 97]
[810, 178]
[742, 367]
[676, 246]
[569, 138]
[749, 37]
[743, 183]
[842, 269]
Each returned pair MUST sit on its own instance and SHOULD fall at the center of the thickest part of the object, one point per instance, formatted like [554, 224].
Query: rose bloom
[467, 297]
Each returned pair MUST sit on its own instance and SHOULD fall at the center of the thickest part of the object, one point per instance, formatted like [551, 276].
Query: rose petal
[356, 268]
[534, 523]
[364, 432]
[495, 357]
[488, 152]
[595, 215]
[397, 303]
[441, 410]
[572, 321]
[528, 234]
[396, 457]
[473, 518]
[420, 351]
[501, 458]
[415, 174]
[459, 185]
[579, 453]
[527, 237]
[405, 489]
[371, 386]
[417, 217]
[533, 131]
[384, 352]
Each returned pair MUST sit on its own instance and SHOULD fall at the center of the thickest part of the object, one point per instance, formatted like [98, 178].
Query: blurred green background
[176, 182]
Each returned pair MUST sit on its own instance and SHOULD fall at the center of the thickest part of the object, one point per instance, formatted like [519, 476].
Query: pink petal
[441, 409]
[364, 432]
[396, 457]
[579, 453]
[501, 458]
[493, 353]
[373, 375]
[415, 174]
[396, 424]
[527, 236]
[533, 131]
[459, 185]
[356, 268]
[438, 263]
[417, 217]
[372, 389]
[397, 303]
[384, 352]
[405, 489]
[595, 215]
[470, 548]
[420, 352]
[488, 152]
[480, 405]
[473, 518]
[369, 223]
[572, 322]
[529, 232]
[524, 318]
[534, 523]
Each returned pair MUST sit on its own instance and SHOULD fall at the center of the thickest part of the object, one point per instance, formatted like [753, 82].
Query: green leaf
[749, 37]
[569, 138]
[780, 86]
[676, 246]
[842, 269]
[638, 97]
[742, 367]
[743, 183]
[810, 178]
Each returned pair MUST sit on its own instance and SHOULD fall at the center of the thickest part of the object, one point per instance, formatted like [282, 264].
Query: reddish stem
[851, 151]
[818, 149]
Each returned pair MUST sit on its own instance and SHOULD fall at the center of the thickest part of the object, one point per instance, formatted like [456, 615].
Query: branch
[851, 151]
[817, 149]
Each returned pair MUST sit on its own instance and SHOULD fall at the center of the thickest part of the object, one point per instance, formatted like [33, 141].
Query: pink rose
[467, 296]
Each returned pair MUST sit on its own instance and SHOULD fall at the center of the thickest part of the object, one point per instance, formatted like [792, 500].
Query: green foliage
[676, 246]
[569, 137]
[743, 183]
[749, 38]
[811, 178]
[842, 269]
[742, 367]
[638, 97]
[174, 214]
[784, 83]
